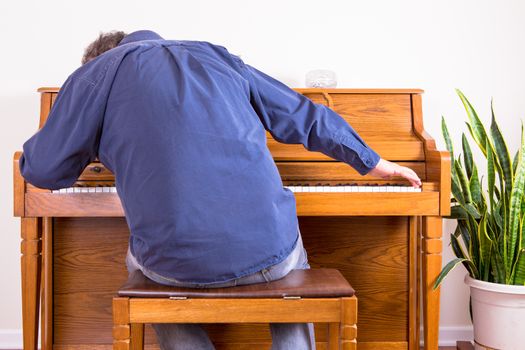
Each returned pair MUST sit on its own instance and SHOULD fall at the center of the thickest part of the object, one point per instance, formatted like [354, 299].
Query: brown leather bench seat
[311, 283]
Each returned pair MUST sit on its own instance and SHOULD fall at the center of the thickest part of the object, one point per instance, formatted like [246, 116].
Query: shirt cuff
[366, 161]
[357, 153]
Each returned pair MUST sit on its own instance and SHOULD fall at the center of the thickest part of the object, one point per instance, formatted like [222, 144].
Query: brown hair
[104, 42]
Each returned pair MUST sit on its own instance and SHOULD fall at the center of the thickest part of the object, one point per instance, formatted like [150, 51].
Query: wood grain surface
[89, 268]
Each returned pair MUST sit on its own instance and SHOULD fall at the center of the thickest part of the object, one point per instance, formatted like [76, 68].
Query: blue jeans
[285, 336]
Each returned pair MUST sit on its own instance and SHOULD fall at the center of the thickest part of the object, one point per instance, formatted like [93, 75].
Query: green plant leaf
[498, 266]
[449, 267]
[467, 155]
[519, 277]
[471, 209]
[484, 248]
[515, 161]
[456, 190]
[519, 272]
[502, 152]
[476, 126]
[463, 181]
[458, 251]
[516, 198]
[491, 176]
[473, 249]
[497, 216]
[464, 233]
[446, 137]
[458, 212]
[475, 187]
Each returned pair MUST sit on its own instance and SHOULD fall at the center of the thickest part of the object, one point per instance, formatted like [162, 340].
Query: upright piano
[384, 236]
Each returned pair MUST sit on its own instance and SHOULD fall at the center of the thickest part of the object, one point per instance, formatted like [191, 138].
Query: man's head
[104, 42]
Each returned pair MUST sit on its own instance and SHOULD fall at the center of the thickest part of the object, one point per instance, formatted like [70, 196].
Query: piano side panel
[372, 253]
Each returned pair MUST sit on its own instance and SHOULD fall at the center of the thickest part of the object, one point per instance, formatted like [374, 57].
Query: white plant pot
[498, 312]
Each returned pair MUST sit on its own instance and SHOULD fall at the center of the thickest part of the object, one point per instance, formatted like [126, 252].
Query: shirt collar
[140, 35]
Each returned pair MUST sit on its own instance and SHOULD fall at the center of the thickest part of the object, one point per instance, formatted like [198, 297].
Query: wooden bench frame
[130, 315]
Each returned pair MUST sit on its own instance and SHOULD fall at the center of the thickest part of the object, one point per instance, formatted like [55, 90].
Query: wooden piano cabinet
[387, 245]
[376, 254]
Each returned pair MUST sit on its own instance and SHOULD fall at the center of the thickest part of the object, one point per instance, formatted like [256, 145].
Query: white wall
[474, 45]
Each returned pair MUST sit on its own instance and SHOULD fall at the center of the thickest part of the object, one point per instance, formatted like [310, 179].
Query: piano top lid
[359, 91]
[316, 90]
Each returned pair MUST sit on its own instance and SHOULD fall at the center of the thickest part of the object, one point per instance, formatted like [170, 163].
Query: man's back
[201, 192]
[182, 126]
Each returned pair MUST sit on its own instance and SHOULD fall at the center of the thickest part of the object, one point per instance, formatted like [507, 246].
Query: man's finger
[411, 176]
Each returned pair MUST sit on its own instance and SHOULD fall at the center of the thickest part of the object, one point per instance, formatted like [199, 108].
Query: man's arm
[58, 153]
[293, 118]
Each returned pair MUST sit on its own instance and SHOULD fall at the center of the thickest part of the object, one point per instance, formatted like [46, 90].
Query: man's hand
[386, 170]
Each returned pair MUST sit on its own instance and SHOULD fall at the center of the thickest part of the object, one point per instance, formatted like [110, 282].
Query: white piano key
[342, 189]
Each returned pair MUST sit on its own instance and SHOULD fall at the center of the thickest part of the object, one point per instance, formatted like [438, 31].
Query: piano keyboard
[294, 189]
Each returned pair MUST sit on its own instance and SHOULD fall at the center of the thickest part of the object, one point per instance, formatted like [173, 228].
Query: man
[182, 124]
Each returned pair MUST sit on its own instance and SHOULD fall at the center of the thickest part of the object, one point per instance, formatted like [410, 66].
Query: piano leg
[31, 261]
[432, 247]
[46, 307]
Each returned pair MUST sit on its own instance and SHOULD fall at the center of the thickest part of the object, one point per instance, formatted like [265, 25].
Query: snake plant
[489, 240]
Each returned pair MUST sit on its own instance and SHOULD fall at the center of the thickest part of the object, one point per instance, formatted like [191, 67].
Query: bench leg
[121, 326]
[348, 323]
[333, 336]
[137, 336]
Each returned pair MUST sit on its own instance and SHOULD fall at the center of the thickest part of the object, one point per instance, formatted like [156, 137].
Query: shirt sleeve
[293, 118]
[57, 154]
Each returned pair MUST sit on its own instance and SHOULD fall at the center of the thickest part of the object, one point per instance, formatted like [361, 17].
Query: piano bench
[313, 295]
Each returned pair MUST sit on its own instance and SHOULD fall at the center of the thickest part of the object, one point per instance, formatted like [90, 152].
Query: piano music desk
[384, 238]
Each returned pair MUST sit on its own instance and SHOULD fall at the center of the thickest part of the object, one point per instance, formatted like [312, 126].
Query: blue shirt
[181, 124]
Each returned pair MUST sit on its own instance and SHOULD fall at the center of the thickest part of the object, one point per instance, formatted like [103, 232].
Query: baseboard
[12, 338]
[448, 336]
